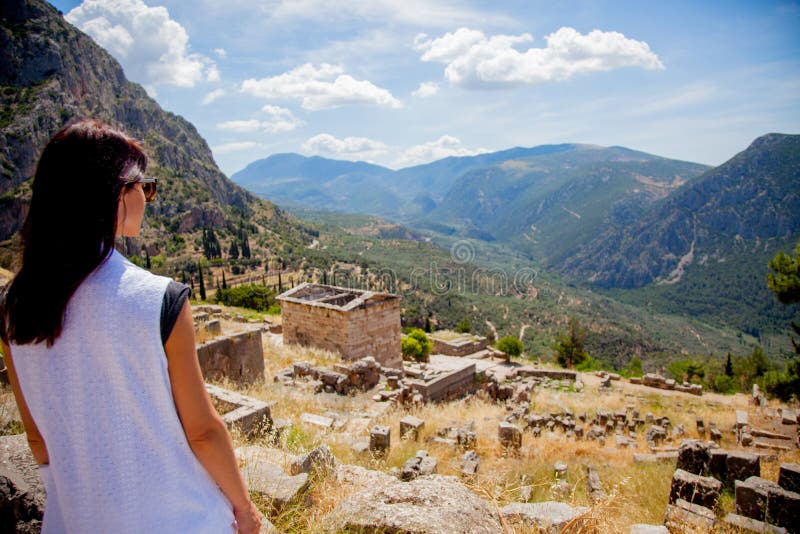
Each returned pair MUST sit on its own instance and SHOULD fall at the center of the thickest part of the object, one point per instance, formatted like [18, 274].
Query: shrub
[724, 384]
[253, 296]
[464, 327]
[510, 345]
[417, 345]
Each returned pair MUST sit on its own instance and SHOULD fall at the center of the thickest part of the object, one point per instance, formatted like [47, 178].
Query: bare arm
[35, 441]
[204, 429]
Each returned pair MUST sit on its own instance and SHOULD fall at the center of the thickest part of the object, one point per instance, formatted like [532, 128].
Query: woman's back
[119, 458]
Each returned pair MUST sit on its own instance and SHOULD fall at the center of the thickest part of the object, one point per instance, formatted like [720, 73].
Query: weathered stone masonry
[353, 322]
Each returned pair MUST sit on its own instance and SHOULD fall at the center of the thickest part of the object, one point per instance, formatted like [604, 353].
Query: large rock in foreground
[432, 504]
[22, 494]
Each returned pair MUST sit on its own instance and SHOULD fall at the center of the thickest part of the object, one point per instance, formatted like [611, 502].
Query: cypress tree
[234, 250]
[729, 366]
[224, 283]
[146, 259]
[280, 283]
[202, 283]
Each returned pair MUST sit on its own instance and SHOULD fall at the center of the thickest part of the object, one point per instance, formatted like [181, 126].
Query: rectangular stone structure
[747, 524]
[245, 414]
[237, 357]
[452, 344]
[687, 518]
[410, 427]
[695, 489]
[353, 322]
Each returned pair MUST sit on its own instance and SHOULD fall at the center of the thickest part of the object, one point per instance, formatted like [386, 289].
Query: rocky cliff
[52, 73]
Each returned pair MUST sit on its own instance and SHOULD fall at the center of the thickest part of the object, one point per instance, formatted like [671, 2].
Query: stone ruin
[703, 471]
[453, 344]
[355, 323]
[363, 374]
[237, 355]
[657, 381]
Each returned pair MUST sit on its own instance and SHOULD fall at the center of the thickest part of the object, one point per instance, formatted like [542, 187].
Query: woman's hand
[248, 519]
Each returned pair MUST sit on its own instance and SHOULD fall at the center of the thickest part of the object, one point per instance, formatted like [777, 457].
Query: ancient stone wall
[372, 330]
[239, 357]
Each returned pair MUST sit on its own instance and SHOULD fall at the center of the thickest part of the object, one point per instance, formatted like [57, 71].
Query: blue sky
[402, 82]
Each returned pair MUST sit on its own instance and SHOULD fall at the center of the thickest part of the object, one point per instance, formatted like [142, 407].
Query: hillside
[50, 74]
[703, 251]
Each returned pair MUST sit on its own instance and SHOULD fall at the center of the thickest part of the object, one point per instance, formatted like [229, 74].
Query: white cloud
[322, 87]
[221, 53]
[445, 146]
[244, 126]
[475, 60]
[350, 148]
[427, 13]
[152, 48]
[227, 148]
[212, 96]
[279, 120]
[426, 89]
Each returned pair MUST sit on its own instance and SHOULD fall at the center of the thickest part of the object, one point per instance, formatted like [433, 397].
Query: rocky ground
[337, 462]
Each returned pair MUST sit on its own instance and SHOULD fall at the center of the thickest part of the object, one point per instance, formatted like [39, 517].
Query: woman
[102, 361]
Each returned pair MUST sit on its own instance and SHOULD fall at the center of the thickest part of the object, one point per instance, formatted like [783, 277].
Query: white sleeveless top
[101, 398]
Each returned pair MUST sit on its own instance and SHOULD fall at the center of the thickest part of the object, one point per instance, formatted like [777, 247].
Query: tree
[224, 282]
[635, 366]
[146, 259]
[202, 283]
[511, 346]
[729, 366]
[785, 283]
[569, 347]
[464, 327]
[428, 327]
[233, 251]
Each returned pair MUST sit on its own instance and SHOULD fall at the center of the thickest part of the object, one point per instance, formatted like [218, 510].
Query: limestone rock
[549, 516]
[789, 477]
[641, 528]
[420, 464]
[432, 504]
[272, 483]
[686, 518]
[22, 494]
[764, 500]
[317, 462]
[740, 523]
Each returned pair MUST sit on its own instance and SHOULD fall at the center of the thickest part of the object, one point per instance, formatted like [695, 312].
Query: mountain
[52, 73]
[359, 187]
[549, 203]
[753, 199]
[703, 251]
[316, 182]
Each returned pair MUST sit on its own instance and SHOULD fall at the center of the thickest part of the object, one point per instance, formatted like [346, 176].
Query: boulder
[548, 516]
[22, 494]
[432, 504]
[273, 484]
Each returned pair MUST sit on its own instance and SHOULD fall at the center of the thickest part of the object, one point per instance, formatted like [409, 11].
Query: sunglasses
[148, 188]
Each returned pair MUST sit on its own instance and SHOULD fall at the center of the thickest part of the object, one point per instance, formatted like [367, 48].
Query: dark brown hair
[70, 227]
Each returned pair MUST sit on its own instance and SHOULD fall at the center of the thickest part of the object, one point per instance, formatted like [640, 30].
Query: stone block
[549, 516]
[238, 357]
[742, 524]
[789, 477]
[694, 456]
[419, 465]
[510, 435]
[641, 528]
[317, 420]
[766, 501]
[246, 415]
[686, 518]
[410, 427]
[695, 489]
[379, 439]
[469, 464]
[742, 419]
[656, 434]
[788, 417]
[317, 462]
[741, 466]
